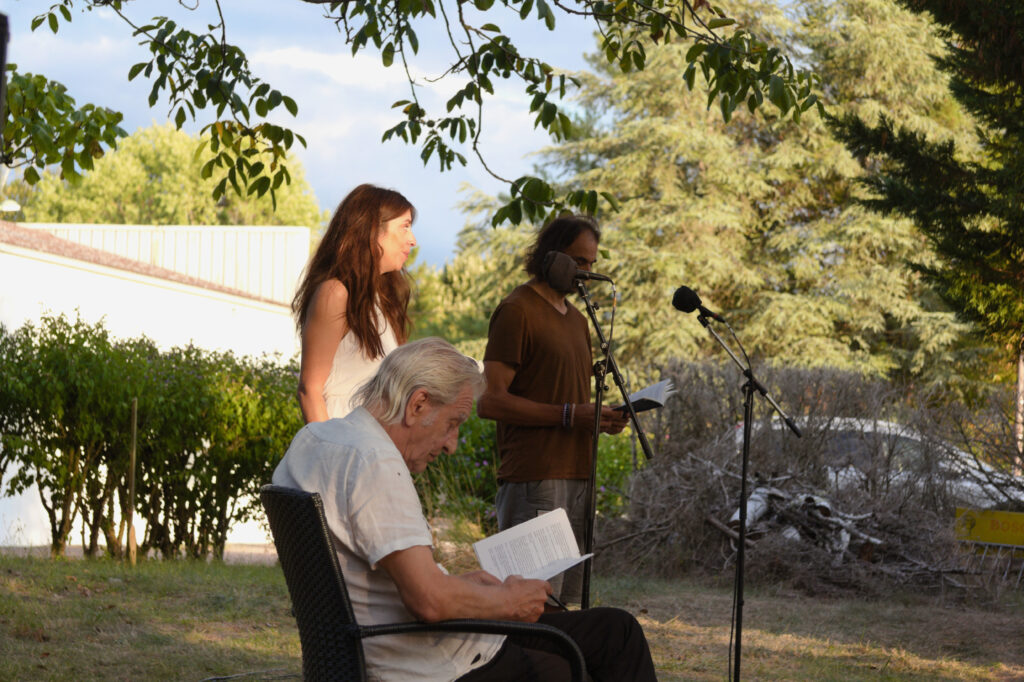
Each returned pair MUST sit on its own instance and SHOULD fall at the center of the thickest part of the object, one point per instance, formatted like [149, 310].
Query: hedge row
[210, 428]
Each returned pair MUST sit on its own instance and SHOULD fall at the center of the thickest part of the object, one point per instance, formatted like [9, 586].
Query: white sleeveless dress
[350, 369]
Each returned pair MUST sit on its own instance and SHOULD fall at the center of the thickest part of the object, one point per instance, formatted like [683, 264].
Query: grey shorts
[518, 502]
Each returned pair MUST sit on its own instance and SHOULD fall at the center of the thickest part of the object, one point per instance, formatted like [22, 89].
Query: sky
[344, 101]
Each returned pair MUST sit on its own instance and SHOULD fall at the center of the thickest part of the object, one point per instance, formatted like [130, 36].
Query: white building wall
[170, 313]
[263, 261]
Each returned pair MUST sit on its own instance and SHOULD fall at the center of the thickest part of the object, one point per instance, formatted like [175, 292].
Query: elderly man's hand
[526, 598]
[481, 578]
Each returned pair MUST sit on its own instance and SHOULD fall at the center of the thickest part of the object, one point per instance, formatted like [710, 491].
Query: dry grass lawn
[99, 620]
[788, 636]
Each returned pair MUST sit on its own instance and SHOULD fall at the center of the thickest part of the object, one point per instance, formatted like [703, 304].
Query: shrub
[211, 427]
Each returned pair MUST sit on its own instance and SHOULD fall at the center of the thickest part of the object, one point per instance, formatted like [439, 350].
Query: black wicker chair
[331, 640]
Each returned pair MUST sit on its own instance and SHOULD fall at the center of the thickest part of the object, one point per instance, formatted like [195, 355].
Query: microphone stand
[601, 370]
[749, 387]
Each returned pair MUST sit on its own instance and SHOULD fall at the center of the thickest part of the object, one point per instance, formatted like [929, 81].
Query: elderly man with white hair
[361, 466]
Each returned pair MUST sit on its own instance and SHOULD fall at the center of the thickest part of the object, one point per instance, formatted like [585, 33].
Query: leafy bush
[211, 427]
[464, 483]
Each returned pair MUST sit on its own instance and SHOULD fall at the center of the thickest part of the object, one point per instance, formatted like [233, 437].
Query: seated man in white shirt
[361, 465]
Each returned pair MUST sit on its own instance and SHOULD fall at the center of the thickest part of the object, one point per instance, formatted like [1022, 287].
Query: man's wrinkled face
[437, 431]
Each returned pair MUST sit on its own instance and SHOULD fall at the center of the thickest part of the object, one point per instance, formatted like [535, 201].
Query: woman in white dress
[352, 304]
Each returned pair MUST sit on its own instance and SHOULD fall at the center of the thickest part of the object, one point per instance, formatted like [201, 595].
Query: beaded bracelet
[566, 415]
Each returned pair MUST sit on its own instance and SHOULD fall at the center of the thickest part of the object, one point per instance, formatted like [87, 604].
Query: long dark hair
[349, 252]
[557, 235]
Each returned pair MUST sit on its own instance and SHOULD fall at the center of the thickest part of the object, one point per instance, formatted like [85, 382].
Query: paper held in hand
[540, 548]
[650, 397]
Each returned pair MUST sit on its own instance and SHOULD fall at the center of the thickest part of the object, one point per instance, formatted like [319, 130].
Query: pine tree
[966, 198]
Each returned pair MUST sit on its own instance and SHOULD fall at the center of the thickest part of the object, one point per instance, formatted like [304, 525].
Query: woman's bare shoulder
[331, 296]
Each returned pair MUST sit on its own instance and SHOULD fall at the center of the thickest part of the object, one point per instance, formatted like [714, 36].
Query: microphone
[560, 271]
[687, 300]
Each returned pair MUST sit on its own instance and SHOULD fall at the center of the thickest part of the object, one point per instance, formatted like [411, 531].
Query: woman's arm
[325, 327]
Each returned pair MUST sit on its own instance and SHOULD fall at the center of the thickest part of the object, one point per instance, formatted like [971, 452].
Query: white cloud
[341, 68]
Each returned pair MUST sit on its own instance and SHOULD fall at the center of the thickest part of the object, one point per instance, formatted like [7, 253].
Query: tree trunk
[1018, 421]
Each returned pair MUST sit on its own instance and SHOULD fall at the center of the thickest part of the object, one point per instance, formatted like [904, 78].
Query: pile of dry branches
[801, 528]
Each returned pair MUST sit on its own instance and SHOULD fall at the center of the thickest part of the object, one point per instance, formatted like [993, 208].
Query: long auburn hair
[349, 252]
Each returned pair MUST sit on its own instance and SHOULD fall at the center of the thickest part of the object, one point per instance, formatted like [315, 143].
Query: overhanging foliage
[200, 76]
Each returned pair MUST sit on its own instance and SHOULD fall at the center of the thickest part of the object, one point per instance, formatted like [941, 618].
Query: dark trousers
[518, 502]
[613, 644]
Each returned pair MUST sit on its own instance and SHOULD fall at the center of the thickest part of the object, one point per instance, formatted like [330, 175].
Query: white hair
[431, 364]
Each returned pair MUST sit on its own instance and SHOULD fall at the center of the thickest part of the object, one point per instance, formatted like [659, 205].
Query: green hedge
[211, 428]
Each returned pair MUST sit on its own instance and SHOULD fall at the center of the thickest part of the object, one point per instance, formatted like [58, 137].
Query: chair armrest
[565, 643]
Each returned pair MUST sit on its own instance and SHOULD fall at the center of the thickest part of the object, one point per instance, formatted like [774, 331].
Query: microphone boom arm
[758, 386]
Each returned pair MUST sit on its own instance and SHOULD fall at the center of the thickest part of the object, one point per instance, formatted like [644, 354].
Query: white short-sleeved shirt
[372, 510]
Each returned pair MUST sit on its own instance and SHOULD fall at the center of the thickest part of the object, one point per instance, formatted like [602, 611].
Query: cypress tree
[966, 199]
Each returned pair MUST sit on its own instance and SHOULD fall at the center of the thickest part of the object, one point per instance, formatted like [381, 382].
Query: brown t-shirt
[550, 353]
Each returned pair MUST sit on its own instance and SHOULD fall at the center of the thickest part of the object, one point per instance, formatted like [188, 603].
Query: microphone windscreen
[686, 300]
[559, 271]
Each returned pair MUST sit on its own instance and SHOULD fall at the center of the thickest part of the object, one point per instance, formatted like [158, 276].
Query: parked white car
[865, 452]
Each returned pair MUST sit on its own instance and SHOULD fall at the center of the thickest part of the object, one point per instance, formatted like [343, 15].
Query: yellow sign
[997, 527]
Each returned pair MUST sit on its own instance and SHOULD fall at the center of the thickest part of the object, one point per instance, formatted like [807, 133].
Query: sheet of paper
[540, 548]
[551, 570]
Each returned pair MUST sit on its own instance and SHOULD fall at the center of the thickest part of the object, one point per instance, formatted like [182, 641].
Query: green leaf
[134, 71]
[695, 51]
[612, 201]
[547, 113]
[260, 186]
[31, 176]
[515, 211]
[689, 75]
[207, 170]
[388, 54]
[777, 92]
[720, 22]
[290, 105]
[67, 168]
[53, 22]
